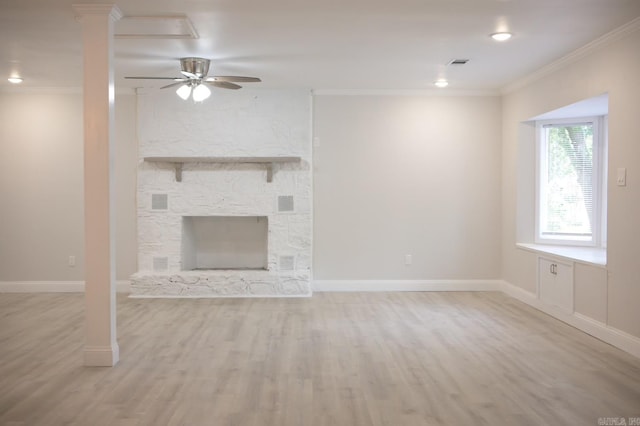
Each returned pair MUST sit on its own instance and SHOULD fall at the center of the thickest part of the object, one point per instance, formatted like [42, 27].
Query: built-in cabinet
[555, 283]
[571, 284]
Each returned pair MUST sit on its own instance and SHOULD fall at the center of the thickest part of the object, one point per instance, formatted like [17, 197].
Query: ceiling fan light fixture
[501, 36]
[200, 93]
[184, 91]
[198, 67]
[192, 84]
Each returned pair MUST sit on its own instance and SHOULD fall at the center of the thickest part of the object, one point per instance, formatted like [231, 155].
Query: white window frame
[598, 221]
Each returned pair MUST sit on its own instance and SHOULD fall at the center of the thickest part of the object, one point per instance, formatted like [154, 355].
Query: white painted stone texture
[244, 123]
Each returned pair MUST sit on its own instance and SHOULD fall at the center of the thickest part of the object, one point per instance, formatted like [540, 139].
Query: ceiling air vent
[458, 62]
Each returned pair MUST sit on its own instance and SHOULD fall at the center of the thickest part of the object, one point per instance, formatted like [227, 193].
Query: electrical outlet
[408, 259]
[72, 261]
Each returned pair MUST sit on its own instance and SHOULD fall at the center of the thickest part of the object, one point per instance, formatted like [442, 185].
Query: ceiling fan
[194, 81]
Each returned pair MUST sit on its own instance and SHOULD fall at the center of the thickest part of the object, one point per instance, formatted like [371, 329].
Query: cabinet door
[564, 286]
[555, 283]
[546, 280]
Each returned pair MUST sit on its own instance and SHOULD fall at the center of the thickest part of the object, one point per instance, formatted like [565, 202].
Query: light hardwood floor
[334, 359]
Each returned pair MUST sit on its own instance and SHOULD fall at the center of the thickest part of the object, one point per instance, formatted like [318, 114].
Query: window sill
[587, 255]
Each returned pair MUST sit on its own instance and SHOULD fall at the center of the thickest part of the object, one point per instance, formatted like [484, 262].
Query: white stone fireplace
[224, 195]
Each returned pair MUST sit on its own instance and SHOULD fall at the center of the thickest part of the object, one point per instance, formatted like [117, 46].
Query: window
[570, 181]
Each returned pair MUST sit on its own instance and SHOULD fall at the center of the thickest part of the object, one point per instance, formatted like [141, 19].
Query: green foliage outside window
[569, 193]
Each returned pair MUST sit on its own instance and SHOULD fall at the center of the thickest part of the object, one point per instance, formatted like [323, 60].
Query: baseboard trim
[611, 335]
[225, 296]
[597, 329]
[122, 286]
[101, 356]
[406, 285]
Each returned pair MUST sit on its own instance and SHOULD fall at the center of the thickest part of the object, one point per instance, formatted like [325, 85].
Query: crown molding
[62, 90]
[580, 53]
[404, 92]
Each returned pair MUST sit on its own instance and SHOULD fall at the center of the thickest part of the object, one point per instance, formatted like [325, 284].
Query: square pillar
[97, 20]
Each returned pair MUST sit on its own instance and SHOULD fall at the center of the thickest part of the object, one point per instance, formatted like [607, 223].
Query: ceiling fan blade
[173, 84]
[234, 78]
[223, 84]
[189, 74]
[152, 78]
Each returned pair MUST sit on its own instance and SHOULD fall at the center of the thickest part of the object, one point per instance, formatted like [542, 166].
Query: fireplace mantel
[178, 162]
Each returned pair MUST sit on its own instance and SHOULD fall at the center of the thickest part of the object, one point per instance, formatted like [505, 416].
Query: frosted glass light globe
[200, 93]
[184, 91]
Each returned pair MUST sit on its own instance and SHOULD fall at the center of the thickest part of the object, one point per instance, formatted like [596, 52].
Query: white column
[101, 346]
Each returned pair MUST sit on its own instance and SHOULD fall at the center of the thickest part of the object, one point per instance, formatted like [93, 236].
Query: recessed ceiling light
[503, 36]
[15, 80]
[441, 83]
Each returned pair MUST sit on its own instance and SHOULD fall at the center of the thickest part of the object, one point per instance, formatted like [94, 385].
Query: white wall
[41, 185]
[398, 175]
[612, 69]
[125, 172]
[394, 176]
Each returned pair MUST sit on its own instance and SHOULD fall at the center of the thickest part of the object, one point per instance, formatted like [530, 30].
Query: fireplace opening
[224, 242]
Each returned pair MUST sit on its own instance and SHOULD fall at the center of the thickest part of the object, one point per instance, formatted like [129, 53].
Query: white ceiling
[318, 44]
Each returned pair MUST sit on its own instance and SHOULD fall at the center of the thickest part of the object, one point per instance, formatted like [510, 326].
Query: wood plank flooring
[334, 359]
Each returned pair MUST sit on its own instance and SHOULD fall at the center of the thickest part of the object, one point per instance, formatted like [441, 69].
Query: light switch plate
[621, 180]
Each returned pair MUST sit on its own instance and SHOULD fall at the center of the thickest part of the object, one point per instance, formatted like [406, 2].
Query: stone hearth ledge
[220, 283]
